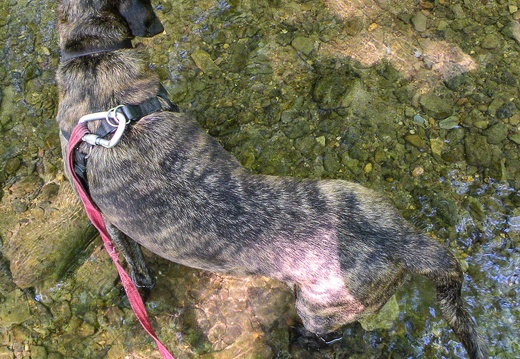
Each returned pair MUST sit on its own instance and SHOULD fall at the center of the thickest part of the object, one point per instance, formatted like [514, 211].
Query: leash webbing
[97, 220]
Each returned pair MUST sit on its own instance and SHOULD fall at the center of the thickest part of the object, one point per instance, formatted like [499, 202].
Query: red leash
[97, 220]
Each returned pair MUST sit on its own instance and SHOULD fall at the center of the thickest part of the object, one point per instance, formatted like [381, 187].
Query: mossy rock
[45, 244]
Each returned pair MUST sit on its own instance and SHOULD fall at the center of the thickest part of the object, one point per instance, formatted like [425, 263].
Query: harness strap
[96, 218]
[123, 44]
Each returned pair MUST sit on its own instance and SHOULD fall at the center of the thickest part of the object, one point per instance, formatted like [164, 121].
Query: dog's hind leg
[428, 258]
[134, 257]
[326, 305]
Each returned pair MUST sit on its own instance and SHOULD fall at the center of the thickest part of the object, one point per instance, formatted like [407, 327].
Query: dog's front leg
[134, 257]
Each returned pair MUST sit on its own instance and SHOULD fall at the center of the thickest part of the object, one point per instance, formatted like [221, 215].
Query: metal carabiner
[112, 114]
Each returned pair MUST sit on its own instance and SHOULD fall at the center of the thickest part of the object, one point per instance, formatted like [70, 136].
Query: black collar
[123, 44]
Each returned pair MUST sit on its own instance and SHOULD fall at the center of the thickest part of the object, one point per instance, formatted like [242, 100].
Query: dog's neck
[70, 54]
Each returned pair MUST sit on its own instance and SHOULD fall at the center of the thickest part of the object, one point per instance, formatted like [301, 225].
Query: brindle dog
[173, 189]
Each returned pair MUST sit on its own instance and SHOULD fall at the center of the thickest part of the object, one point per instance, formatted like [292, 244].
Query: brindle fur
[174, 190]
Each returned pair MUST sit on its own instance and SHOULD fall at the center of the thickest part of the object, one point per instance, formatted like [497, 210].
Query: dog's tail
[429, 258]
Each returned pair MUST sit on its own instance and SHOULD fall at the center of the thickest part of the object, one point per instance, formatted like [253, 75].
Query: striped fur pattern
[174, 190]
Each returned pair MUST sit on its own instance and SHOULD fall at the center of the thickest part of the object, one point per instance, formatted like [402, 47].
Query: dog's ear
[140, 17]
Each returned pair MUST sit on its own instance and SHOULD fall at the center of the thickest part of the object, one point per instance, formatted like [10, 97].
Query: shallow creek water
[416, 99]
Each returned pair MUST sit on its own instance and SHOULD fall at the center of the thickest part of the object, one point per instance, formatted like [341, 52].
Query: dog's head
[140, 17]
[106, 20]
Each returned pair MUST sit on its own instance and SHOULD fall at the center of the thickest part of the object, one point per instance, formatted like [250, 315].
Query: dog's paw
[306, 339]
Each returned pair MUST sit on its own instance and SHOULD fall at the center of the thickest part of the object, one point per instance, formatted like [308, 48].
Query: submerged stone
[435, 106]
[477, 151]
[416, 141]
[512, 30]
[384, 318]
[204, 61]
[303, 44]
[14, 308]
[449, 123]
[497, 133]
[419, 22]
[42, 250]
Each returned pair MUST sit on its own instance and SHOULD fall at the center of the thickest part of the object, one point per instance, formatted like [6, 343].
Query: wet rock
[515, 138]
[446, 209]
[416, 141]
[437, 146]
[5, 352]
[419, 21]
[456, 82]
[331, 163]
[38, 352]
[449, 123]
[279, 299]
[303, 44]
[436, 106]
[14, 308]
[98, 274]
[19, 206]
[12, 165]
[26, 188]
[204, 61]
[239, 54]
[474, 207]
[6, 281]
[507, 110]
[496, 133]
[490, 42]
[384, 318]
[333, 91]
[458, 11]
[477, 151]
[41, 251]
[49, 191]
[298, 129]
[512, 30]
[481, 124]
[353, 25]
[417, 171]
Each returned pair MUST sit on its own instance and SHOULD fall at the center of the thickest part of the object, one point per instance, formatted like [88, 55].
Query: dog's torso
[175, 190]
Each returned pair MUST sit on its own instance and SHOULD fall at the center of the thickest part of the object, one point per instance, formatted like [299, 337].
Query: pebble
[481, 124]
[204, 61]
[477, 151]
[490, 42]
[418, 119]
[449, 123]
[506, 110]
[303, 44]
[419, 22]
[353, 26]
[417, 171]
[515, 138]
[496, 133]
[437, 145]
[415, 140]
[435, 106]
[458, 11]
[512, 30]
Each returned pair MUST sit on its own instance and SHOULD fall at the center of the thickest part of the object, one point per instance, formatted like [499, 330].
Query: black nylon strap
[123, 44]
[135, 112]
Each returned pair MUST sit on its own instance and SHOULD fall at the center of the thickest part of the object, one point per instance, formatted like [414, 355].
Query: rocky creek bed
[416, 99]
